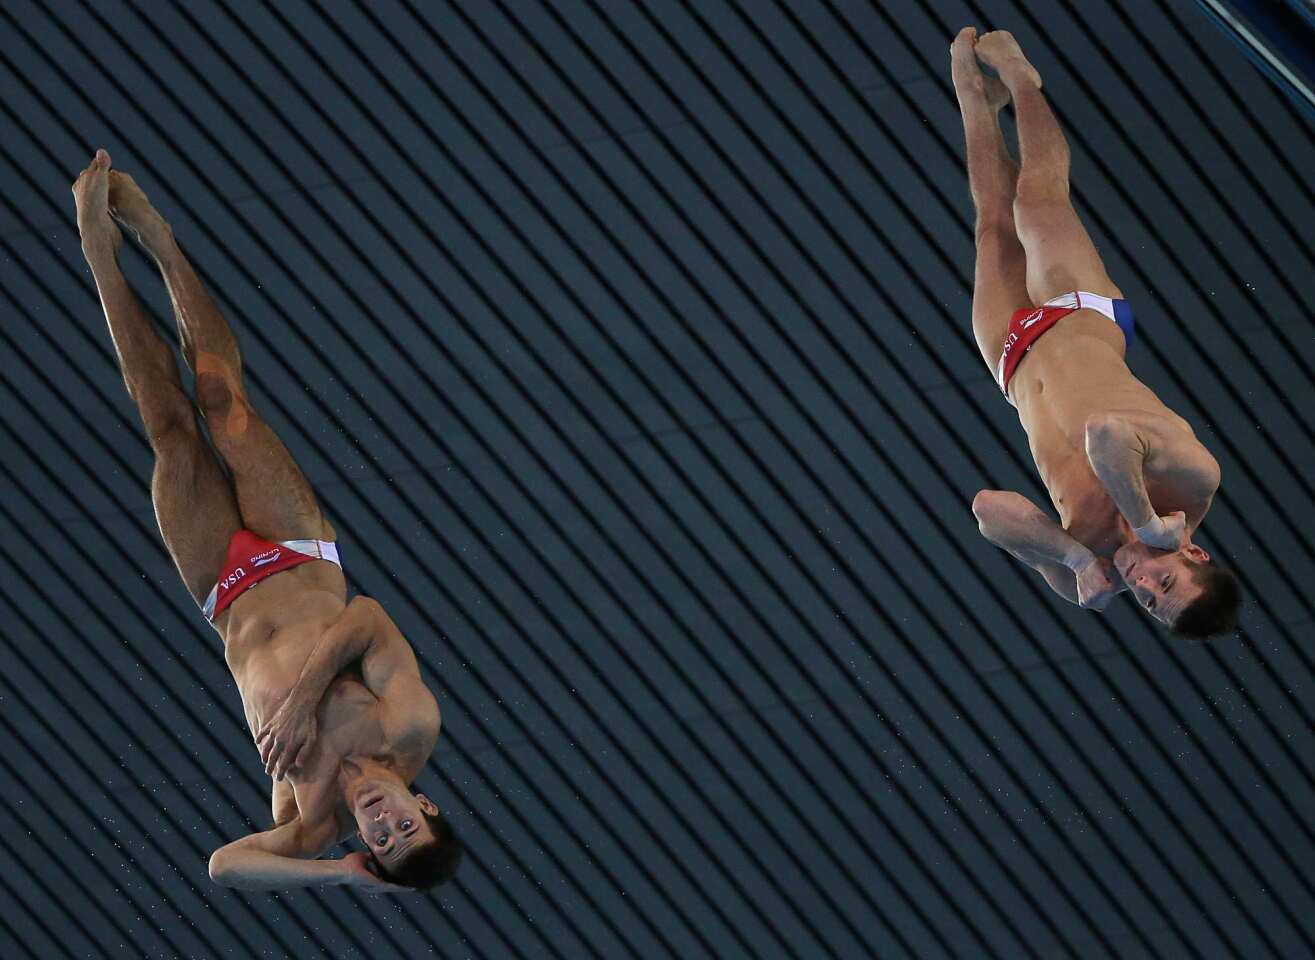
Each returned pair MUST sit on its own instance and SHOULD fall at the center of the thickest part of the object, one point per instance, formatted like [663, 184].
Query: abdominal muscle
[270, 631]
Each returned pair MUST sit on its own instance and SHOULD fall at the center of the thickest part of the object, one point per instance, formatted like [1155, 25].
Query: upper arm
[285, 840]
[390, 670]
[285, 856]
[1182, 462]
[283, 802]
[1170, 453]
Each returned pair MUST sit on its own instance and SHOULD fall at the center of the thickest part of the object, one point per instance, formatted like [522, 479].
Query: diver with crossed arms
[1128, 477]
[331, 690]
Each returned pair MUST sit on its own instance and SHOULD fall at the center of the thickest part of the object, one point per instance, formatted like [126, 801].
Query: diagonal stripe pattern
[627, 346]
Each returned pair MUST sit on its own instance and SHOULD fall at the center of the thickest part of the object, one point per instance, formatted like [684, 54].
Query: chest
[348, 725]
[349, 718]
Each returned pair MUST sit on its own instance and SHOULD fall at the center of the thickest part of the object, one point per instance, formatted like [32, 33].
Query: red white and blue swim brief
[1029, 324]
[252, 559]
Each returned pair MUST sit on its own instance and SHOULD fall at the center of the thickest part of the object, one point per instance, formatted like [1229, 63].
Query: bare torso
[269, 633]
[1073, 371]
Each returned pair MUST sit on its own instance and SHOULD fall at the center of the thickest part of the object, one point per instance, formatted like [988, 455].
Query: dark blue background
[628, 348]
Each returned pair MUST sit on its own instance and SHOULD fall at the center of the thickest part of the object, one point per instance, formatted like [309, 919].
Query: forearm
[343, 642]
[1015, 524]
[1117, 453]
[247, 869]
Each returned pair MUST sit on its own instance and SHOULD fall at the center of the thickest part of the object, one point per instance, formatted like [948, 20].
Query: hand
[1164, 533]
[360, 871]
[285, 739]
[1096, 586]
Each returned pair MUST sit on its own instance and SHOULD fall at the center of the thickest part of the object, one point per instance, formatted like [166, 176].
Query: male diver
[331, 689]
[1127, 475]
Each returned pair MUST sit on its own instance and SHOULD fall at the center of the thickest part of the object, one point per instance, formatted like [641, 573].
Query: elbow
[221, 867]
[1099, 434]
[984, 509]
[1096, 425]
[366, 608]
[1100, 428]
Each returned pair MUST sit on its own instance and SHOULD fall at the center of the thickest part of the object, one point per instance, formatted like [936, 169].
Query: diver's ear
[361, 838]
[426, 804]
[1192, 552]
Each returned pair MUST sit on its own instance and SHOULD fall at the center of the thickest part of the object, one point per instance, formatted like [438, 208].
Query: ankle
[101, 246]
[1019, 76]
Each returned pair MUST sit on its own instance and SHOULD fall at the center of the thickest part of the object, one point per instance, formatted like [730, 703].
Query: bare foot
[969, 81]
[90, 194]
[1000, 50]
[964, 71]
[128, 205]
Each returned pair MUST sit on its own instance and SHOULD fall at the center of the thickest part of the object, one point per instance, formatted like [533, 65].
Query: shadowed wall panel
[627, 346]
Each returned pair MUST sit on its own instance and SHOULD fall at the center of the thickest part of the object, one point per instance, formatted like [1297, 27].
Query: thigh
[275, 499]
[273, 496]
[1060, 255]
[194, 506]
[999, 288]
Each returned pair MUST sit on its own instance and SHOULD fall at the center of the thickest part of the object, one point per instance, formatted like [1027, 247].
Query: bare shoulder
[409, 708]
[411, 718]
[1174, 454]
[1178, 472]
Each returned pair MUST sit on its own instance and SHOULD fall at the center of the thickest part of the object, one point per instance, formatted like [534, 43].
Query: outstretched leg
[194, 503]
[1060, 255]
[274, 497]
[1000, 284]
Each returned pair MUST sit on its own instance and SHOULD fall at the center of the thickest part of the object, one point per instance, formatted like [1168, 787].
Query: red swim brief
[1026, 326]
[251, 559]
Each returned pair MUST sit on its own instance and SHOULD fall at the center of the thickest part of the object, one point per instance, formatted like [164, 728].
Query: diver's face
[1160, 580]
[390, 820]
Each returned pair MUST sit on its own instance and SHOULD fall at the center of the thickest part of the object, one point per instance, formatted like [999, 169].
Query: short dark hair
[431, 865]
[1214, 612]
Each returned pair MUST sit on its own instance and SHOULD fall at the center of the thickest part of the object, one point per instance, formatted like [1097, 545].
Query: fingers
[270, 752]
[291, 754]
[284, 762]
[281, 760]
[303, 755]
